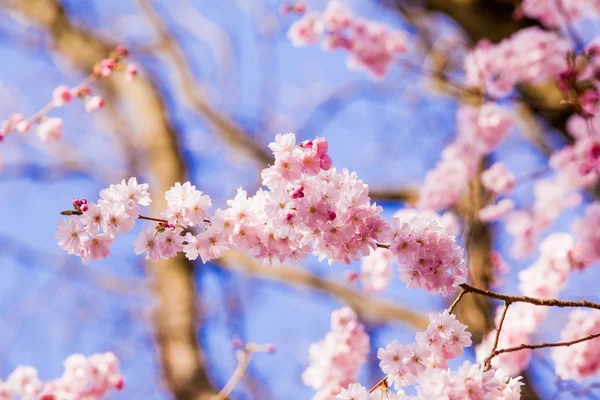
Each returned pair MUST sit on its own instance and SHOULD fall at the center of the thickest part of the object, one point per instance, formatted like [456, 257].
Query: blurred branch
[176, 314]
[227, 129]
[369, 309]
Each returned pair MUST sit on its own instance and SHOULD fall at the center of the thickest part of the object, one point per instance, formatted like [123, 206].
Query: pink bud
[122, 51]
[94, 103]
[83, 201]
[270, 348]
[107, 66]
[331, 215]
[131, 72]
[23, 126]
[351, 276]
[298, 192]
[307, 144]
[61, 96]
[237, 342]
[76, 202]
[300, 7]
[289, 216]
[119, 382]
[84, 207]
[16, 118]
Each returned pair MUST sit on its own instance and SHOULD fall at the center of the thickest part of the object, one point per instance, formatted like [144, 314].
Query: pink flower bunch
[309, 207]
[480, 130]
[531, 55]
[376, 268]
[555, 13]
[90, 230]
[335, 360]
[578, 165]
[425, 364]
[50, 129]
[90, 378]
[371, 46]
[470, 381]
[187, 207]
[582, 360]
[587, 236]
[547, 277]
[428, 256]
[443, 340]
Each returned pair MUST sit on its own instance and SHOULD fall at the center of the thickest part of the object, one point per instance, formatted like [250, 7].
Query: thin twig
[542, 346]
[488, 361]
[455, 302]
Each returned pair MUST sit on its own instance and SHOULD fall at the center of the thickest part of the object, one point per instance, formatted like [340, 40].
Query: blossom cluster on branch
[85, 378]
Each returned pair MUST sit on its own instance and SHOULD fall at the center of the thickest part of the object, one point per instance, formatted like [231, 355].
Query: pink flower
[306, 31]
[50, 129]
[582, 360]
[494, 212]
[61, 96]
[147, 242]
[96, 247]
[336, 17]
[131, 72]
[498, 179]
[94, 103]
[71, 235]
[23, 126]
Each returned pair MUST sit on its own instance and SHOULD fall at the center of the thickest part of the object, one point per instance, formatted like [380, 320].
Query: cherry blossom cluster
[90, 229]
[335, 360]
[582, 360]
[50, 129]
[309, 207]
[480, 130]
[443, 340]
[557, 13]
[425, 365]
[427, 254]
[85, 378]
[376, 268]
[371, 45]
[532, 55]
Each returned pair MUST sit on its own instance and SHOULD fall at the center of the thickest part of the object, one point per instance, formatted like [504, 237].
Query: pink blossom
[579, 361]
[428, 256]
[61, 96]
[306, 31]
[96, 247]
[50, 129]
[335, 360]
[498, 179]
[148, 242]
[494, 212]
[94, 103]
[71, 235]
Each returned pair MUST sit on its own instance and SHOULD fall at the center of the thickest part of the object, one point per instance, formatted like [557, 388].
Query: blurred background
[218, 79]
